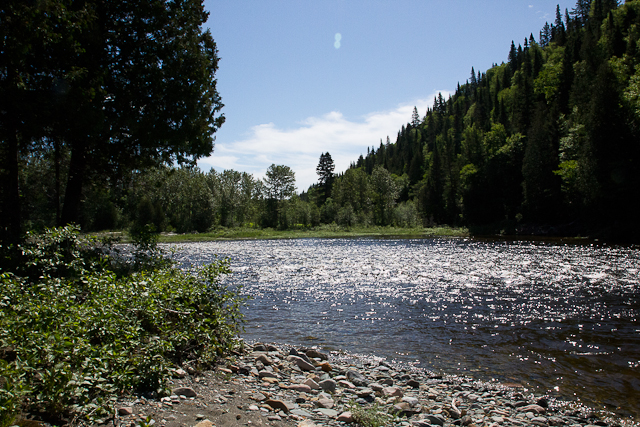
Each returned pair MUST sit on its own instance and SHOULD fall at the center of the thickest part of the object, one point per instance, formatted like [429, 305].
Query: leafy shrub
[11, 393]
[83, 332]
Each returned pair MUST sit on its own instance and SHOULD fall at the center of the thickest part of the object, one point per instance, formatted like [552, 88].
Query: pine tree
[415, 118]
[560, 32]
[581, 12]
[545, 35]
[325, 169]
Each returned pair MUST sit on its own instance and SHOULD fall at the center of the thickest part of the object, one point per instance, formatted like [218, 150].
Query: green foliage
[632, 93]
[386, 191]
[548, 81]
[82, 334]
[372, 416]
[78, 86]
[406, 215]
[12, 392]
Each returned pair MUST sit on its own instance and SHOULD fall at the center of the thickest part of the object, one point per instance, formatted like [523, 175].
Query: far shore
[326, 231]
[337, 232]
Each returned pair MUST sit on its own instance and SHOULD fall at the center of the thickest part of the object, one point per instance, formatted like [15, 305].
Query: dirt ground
[221, 398]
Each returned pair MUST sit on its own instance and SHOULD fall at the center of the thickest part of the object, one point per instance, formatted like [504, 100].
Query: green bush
[83, 332]
[11, 393]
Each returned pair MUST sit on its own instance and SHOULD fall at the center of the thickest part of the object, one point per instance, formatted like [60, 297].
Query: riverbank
[325, 231]
[278, 385]
[328, 231]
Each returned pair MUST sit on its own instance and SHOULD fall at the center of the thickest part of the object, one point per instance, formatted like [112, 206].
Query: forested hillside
[548, 141]
[544, 143]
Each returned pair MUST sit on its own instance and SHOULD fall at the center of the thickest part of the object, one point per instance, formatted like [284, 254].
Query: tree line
[545, 142]
[187, 199]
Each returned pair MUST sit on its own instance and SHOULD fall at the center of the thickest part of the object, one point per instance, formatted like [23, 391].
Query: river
[560, 319]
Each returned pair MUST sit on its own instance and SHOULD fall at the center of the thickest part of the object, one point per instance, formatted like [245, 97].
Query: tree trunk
[73, 192]
[10, 230]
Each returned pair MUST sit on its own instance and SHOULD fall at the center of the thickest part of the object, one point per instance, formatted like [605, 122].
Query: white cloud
[300, 147]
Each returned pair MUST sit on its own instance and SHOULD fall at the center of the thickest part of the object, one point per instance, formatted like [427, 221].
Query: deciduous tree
[123, 85]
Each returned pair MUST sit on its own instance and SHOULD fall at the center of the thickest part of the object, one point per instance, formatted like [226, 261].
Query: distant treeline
[544, 143]
[187, 199]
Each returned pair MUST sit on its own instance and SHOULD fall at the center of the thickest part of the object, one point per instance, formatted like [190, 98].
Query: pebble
[291, 385]
[328, 385]
[302, 364]
[184, 391]
[125, 410]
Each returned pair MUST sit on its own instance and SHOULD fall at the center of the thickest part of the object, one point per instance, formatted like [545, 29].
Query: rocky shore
[267, 385]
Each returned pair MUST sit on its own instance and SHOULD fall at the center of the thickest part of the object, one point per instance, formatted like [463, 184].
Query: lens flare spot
[338, 37]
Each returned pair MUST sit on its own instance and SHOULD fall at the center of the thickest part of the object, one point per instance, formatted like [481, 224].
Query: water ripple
[557, 318]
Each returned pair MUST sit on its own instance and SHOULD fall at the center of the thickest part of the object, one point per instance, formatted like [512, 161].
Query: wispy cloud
[300, 147]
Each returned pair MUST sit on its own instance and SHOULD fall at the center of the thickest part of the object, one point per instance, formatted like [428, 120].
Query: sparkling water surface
[557, 318]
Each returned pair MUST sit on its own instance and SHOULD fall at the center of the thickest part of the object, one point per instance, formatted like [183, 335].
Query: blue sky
[291, 92]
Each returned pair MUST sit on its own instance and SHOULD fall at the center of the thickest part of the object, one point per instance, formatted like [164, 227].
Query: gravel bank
[267, 385]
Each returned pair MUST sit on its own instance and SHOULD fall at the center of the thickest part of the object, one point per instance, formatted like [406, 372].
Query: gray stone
[356, 378]
[184, 391]
[316, 354]
[413, 383]
[312, 384]
[281, 405]
[404, 409]
[328, 412]
[267, 374]
[364, 392]
[303, 388]
[264, 359]
[392, 391]
[375, 386]
[466, 420]
[258, 396]
[541, 421]
[346, 384]
[413, 401]
[301, 413]
[324, 403]
[301, 363]
[301, 355]
[435, 419]
[345, 417]
[328, 385]
[536, 409]
[125, 410]
[179, 373]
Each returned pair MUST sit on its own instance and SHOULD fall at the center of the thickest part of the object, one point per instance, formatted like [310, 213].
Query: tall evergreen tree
[415, 118]
[325, 168]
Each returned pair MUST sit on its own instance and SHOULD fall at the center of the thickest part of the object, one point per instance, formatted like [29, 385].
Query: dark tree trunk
[57, 183]
[10, 228]
[73, 192]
